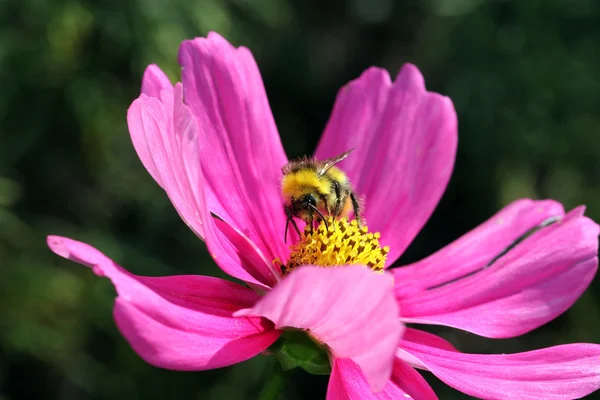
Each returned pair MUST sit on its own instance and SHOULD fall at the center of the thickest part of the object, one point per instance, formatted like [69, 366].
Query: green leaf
[296, 349]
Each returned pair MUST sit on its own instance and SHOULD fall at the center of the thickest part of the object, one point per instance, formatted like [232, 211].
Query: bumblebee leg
[327, 207]
[329, 212]
[290, 217]
[357, 209]
[338, 200]
[295, 225]
[337, 211]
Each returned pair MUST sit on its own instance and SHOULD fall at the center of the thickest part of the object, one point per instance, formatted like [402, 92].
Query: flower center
[344, 243]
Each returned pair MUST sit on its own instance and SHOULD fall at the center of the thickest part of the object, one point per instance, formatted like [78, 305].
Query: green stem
[274, 383]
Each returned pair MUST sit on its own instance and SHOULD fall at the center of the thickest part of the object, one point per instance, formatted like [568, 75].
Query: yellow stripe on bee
[296, 184]
[337, 175]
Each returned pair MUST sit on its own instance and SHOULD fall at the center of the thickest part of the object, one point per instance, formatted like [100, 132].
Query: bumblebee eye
[304, 202]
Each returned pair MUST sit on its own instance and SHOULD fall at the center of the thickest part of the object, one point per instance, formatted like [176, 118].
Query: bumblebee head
[303, 207]
[303, 203]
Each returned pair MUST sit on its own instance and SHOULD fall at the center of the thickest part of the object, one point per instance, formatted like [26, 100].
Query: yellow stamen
[345, 243]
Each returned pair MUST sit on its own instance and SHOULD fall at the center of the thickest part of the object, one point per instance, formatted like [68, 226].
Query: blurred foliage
[523, 75]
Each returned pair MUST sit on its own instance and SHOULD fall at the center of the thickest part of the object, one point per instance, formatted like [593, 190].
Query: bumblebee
[312, 187]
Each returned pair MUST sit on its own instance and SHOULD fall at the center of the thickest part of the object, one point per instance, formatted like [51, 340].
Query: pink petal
[155, 81]
[561, 372]
[398, 130]
[532, 284]
[240, 150]
[169, 135]
[475, 249]
[150, 117]
[424, 338]
[347, 382]
[410, 79]
[350, 309]
[427, 339]
[178, 322]
[162, 150]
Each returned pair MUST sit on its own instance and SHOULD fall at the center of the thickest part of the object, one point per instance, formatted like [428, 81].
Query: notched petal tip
[78, 252]
[578, 212]
[588, 227]
[57, 245]
[410, 78]
[217, 38]
[367, 83]
[374, 72]
[214, 41]
[155, 81]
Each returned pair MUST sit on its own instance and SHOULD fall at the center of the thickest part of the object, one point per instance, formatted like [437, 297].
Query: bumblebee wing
[325, 165]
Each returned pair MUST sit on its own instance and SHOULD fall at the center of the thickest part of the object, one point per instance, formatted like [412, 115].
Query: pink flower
[218, 153]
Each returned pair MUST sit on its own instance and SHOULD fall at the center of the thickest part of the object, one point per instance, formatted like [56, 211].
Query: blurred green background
[524, 77]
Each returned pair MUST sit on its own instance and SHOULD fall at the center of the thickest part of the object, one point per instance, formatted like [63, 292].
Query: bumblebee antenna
[320, 215]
